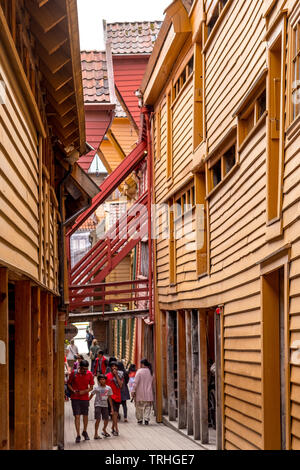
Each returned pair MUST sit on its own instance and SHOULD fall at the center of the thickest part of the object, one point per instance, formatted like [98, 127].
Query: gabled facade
[222, 81]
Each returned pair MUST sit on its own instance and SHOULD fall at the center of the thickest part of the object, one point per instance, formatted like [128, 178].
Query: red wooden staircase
[87, 292]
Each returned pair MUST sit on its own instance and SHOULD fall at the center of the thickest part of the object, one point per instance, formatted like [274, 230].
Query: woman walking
[124, 390]
[143, 392]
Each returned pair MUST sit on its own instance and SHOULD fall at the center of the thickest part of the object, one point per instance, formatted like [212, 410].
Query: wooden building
[223, 81]
[42, 189]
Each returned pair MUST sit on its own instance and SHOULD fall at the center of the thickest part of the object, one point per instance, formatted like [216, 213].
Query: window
[276, 83]
[157, 133]
[198, 120]
[184, 76]
[214, 10]
[296, 71]
[251, 115]
[220, 165]
[169, 136]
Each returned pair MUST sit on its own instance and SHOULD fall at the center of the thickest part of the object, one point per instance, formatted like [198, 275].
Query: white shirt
[72, 351]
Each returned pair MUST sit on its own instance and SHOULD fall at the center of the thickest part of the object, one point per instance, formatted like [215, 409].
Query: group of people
[115, 385]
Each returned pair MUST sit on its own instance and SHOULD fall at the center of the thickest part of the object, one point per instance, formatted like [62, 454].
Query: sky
[92, 12]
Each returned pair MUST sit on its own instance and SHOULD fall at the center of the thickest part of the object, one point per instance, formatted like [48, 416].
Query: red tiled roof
[134, 37]
[89, 224]
[95, 77]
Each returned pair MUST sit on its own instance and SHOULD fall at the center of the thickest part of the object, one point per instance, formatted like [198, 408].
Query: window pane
[184, 202]
[261, 104]
[193, 201]
[191, 65]
[178, 207]
[229, 158]
[216, 169]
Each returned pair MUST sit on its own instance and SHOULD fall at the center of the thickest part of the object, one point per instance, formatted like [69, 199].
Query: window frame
[295, 67]
[177, 80]
[218, 154]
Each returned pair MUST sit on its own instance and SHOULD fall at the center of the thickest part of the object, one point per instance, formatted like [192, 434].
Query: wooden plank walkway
[132, 436]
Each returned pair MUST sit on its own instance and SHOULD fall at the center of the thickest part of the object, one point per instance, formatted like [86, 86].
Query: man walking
[115, 382]
[100, 364]
[89, 338]
[72, 352]
[81, 383]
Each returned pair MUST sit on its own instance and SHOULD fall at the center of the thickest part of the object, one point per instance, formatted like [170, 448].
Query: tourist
[72, 351]
[103, 395]
[142, 392]
[110, 361]
[124, 390]
[80, 384]
[78, 359]
[131, 374]
[115, 381]
[94, 352]
[89, 338]
[100, 364]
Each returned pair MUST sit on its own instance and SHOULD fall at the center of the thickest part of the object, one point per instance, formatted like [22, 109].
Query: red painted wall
[128, 74]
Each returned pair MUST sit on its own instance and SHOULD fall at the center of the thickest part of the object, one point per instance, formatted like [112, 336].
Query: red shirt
[116, 396]
[103, 365]
[80, 382]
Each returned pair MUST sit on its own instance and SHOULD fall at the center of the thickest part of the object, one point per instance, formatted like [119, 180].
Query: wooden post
[195, 373]
[181, 370]
[189, 377]
[35, 368]
[4, 361]
[203, 378]
[61, 380]
[50, 372]
[164, 363]
[218, 382]
[22, 365]
[55, 372]
[44, 370]
[170, 367]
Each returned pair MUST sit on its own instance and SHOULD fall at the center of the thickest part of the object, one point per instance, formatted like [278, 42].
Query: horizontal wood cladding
[19, 231]
[234, 60]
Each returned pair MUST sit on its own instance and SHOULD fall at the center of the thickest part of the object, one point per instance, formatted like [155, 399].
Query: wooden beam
[44, 369]
[36, 369]
[189, 378]
[48, 16]
[50, 41]
[50, 372]
[181, 370]
[60, 335]
[61, 109]
[203, 378]
[22, 388]
[218, 381]
[54, 61]
[170, 366]
[58, 79]
[195, 374]
[4, 362]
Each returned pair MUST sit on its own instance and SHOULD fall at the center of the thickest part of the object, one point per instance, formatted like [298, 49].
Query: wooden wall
[238, 242]
[28, 209]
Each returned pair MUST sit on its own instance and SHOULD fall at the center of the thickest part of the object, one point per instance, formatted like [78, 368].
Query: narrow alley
[132, 436]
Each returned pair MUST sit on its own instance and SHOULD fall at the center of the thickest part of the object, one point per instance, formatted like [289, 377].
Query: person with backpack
[100, 364]
[72, 352]
[124, 390]
[80, 384]
[89, 338]
[94, 349]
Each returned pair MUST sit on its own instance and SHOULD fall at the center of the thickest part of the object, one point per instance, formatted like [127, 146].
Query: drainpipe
[61, 244]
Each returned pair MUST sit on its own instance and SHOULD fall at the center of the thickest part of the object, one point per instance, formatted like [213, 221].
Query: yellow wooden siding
[125, 134]
[19, 232]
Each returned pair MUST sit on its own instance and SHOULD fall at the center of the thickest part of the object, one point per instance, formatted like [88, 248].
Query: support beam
[170, 367]
[181, 370]
[36, 368]
[218, 383]
[4, 361]
[61, 380]
[189, 377]
[44, 369]
[50, 372]
[22, 435]
[195, 374]
[203, 378]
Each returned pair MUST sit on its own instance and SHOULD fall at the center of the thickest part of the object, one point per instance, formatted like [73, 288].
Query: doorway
[274, 360]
